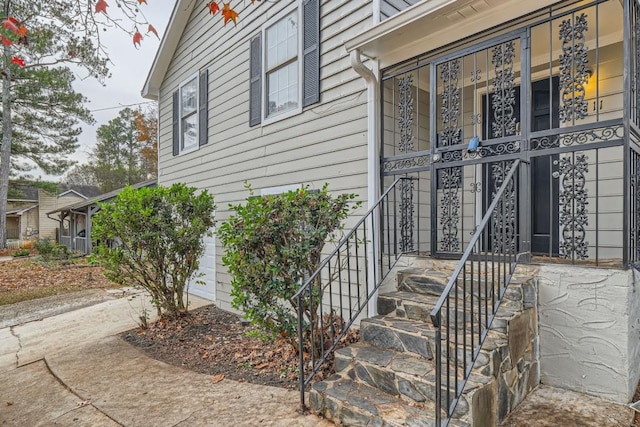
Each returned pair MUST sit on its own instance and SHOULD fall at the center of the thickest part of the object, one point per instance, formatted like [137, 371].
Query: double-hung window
[190, 114]
[285, 63]
[282, 65]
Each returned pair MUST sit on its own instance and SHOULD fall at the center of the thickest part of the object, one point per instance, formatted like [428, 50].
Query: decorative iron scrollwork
[406, 215]
[408, 163]
[452, 156]
[503, 97]
[503, 221]
[608, 133]
[573, 68]
[573, 206]
[451, 133]
[405, 112]
[450, 182]
[503, 148]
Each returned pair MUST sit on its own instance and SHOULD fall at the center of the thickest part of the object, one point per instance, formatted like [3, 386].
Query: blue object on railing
[474, 143]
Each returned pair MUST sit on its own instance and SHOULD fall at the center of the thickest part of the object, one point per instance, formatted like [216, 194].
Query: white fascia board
[171, 38]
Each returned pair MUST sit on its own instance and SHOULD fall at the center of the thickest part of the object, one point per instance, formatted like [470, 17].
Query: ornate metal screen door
[477, 99]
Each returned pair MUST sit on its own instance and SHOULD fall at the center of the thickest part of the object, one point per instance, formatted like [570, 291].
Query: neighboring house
[536, 101]
[26, 211]
[75, 219]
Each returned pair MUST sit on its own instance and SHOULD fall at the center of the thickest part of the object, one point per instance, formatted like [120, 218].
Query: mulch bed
[212, 341]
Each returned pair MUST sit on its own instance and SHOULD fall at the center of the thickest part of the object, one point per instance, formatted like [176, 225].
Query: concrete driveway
[70, 369]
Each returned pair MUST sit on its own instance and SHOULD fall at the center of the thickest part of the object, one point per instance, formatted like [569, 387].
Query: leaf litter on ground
[212, 341]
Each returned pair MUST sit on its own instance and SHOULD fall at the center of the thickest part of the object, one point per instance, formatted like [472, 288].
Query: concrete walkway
[71, 370]
[552, 407]
[68, 368]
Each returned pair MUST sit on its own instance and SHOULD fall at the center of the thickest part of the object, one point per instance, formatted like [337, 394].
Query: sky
[129, 69]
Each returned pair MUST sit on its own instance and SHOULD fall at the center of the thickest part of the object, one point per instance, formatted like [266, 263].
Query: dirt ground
[213, 341]
[23, 279]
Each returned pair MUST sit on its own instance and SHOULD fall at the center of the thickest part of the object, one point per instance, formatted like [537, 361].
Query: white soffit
[431, 24]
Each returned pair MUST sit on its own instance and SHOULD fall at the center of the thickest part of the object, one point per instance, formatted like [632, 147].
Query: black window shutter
[176, 123]
[203, 99]
[255, 82]
[311, 52]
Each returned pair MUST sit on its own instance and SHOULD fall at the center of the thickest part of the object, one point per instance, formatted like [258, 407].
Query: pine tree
[40, 110]
[118, 153]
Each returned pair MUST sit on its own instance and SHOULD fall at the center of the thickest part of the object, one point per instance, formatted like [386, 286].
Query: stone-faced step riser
[334, 410]
[475, 286]
[416, 310]
[351, 404]
[411, 388]
[345, 363]
[386, 337]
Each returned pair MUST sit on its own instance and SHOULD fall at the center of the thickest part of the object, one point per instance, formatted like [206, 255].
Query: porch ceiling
[431, 24]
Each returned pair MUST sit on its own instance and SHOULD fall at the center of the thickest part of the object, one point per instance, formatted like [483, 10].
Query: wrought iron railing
[471, 299]
[633, 205]
[336, 294]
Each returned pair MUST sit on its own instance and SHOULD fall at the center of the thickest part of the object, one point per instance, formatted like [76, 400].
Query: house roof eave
[19, 212]
[74, 192]
[101, 198]
[164, 54]
[427, 25]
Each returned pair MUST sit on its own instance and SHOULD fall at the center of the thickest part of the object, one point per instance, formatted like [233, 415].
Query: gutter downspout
[373, 166]
[59, 221]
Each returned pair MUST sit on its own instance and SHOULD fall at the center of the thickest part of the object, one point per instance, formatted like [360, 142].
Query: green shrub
[153, 238]
[272, 243]
[21, 253]
[50, 250]
[60, 252]
[45, 247]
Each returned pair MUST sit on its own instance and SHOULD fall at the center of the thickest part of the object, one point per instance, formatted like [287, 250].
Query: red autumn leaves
[16, 33]
[15, 30]
[227, 13]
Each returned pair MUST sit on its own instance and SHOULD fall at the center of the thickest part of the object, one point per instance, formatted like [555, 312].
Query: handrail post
[436, 320]
[301, 376]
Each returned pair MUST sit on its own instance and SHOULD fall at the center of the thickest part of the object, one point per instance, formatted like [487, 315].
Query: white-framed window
[282, 65]
[188, 101]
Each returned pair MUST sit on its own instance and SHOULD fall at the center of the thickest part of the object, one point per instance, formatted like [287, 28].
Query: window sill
[274, 119]
[189, 150]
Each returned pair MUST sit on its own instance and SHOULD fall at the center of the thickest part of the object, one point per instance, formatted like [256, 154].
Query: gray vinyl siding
[388, 8]
[327, 142]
